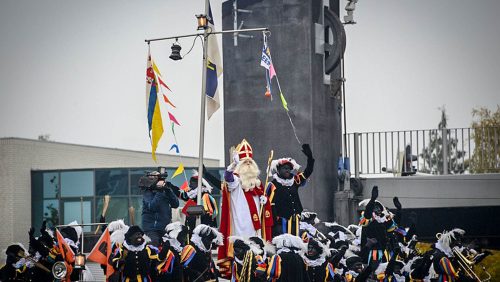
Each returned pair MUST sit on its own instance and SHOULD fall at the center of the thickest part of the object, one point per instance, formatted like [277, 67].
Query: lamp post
[202, 25]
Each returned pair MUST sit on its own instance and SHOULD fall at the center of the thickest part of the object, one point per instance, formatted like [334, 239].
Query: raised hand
[306, 149]
[396, 202]
[374, 193]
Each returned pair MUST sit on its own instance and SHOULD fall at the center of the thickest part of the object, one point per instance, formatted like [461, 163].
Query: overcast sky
[76, 69]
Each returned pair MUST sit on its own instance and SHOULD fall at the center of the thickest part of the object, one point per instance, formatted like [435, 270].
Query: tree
[486, 134]
[432, 155]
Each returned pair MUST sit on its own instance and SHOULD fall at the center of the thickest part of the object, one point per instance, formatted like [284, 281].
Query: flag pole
[202, 112]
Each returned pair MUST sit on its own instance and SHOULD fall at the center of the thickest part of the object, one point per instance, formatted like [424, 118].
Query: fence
[468, 150]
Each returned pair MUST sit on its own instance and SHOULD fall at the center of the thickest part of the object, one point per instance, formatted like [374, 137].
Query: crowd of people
[264, 235]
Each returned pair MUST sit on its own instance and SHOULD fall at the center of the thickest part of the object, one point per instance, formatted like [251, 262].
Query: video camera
[155, 180]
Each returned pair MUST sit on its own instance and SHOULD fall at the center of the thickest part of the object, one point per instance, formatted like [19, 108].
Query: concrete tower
[297, 28]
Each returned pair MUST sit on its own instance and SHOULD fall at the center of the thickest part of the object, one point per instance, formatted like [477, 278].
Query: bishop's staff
[268, 170]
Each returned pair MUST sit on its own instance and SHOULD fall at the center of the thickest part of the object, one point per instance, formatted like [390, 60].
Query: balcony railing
[430, 151]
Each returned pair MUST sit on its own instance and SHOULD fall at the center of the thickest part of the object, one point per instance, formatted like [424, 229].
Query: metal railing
[469, 150]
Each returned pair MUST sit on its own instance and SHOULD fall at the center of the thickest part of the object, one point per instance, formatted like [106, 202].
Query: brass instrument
[34, 261]
[59, 270]
[466, 265]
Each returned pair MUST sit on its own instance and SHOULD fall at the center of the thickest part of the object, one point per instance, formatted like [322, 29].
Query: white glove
[236, 158]
[231, 167]
[263, 200]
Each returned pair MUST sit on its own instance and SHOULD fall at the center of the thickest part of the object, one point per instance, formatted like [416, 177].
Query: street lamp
[176, 51]
[202, 21]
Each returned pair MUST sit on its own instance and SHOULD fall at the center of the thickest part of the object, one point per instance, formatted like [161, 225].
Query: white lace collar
[315, 262]
[133, 248]
[284, 182]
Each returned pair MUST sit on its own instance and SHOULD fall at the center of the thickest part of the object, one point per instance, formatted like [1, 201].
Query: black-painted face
[136, 239]
[240, 250]
[285, 171]
[182, 237]
[207, 241]
[193, 183]
[377, 210]
[312, 250]
[357, 267]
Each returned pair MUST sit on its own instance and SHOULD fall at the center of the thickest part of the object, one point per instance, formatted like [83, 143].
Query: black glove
[374, 193]
[306, 149]
[164, 250]
[43, 228]
[396, 202]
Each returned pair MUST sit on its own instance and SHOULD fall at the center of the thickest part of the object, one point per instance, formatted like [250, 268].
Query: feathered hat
[204, 182]
[173, 229]
[203, 230]
[252, 246]
[289, 241]
[279, 162]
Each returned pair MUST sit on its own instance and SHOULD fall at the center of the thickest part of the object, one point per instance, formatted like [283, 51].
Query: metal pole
[356, 155]
[81, 217]
[444, 133]
[202, 112]
[208, 33]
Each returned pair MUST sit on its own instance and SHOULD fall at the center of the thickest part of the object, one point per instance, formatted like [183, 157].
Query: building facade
[62, 182]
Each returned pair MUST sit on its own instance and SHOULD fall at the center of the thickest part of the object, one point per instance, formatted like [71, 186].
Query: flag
[66, 252]
[101, 252]
[283, 101]
[267, 62]
[214, 69]
[172, 118]
[155, 124]
[178, 171]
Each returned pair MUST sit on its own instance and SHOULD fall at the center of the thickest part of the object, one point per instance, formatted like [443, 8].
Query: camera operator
[157, 202]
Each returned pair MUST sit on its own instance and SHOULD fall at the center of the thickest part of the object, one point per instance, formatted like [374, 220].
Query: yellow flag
[178, 171]
[156, 130]
[156, 69]
[283, 101]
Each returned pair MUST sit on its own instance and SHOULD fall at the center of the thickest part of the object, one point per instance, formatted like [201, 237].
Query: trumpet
[59, 270]
[466, 265]
[34, 261]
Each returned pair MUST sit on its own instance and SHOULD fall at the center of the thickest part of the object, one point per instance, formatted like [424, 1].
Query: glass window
[135, 175]
[51, 212]
[77, 183]
[117, 209]
[51, 185]
[73, 211]
[111, 182]
[136, 202]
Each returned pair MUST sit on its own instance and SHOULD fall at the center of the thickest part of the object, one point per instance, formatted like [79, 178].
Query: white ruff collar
[315, 262]
[134, 248]
[194, 192]
[284, 182]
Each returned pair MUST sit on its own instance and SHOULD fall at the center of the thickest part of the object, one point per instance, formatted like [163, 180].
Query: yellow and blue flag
[155, 123]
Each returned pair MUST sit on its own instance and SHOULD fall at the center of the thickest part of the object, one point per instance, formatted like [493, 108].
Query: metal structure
[386, 151]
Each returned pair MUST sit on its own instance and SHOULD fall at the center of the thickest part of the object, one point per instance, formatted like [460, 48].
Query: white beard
[249, 175]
